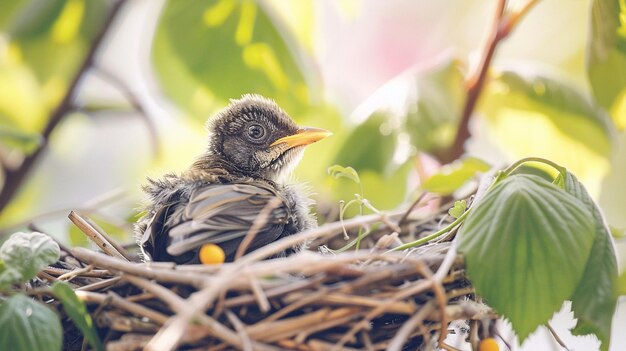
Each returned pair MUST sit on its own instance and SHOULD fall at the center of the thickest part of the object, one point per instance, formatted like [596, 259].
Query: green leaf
[27, 325]
[7, 11]
[47, 42]
[435, 106]
[338, 171]
[36, 18]
[458, 209]
[414, 111]
[594, 300]
[25, 254]
[77, 312]
[559, 122]
[77, 237]
[206, 52]
[617, 233]
[606, 55]
[370, 147]
[451, 177]
[526, 244]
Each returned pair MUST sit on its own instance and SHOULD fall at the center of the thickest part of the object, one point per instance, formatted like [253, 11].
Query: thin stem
[519, 163]
[432, 236]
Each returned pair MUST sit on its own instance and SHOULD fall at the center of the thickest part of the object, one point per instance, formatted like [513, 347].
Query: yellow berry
[211, 254]
[488, 344]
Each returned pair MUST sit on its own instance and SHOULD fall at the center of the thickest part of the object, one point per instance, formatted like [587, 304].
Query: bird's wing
[221, 214]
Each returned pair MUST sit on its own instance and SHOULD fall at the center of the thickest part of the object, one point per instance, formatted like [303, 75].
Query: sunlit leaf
[606, 54]
[370, 146]
[453, 176]
[526, 243]
[345, 172]
[27, 253]
[76, 237]
[209, 51]
[382, 191]
[35, 18]
[617, 233]
[621, 284]
[78, 313]
[47, 40]
[594, 300]
[26, 142]
[435, 106]
[414, 111]
[458, 209]
[534, 115]
[7, 11]
[27, 325]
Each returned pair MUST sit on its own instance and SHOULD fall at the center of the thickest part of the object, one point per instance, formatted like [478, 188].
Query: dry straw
[371, 299]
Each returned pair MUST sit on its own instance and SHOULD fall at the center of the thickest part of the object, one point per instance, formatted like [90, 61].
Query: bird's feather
[214, 213]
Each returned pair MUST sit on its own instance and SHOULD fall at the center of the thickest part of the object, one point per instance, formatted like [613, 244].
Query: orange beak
[304, 136]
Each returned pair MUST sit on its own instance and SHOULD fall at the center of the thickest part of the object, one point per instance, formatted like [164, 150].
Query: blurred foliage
[534, 114]
[205, 52]
[415, 111]
[606, 53]
[27, 324]
[77, 312]
[453, 176]
[230, 47]
[47, 41]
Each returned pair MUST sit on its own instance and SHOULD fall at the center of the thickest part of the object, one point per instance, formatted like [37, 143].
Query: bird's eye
[256, 132]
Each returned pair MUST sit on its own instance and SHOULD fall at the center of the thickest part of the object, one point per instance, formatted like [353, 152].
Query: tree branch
[14, 178]
[503, 25]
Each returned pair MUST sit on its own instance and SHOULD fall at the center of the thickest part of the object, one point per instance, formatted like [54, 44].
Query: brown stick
[104, 243]
[502, 26]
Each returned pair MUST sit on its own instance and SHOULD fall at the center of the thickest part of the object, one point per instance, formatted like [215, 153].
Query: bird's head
[255, 137]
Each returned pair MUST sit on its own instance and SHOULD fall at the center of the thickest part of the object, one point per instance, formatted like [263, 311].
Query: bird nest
[317, 299]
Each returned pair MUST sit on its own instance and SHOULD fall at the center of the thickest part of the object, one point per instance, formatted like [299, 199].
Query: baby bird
[252, 145]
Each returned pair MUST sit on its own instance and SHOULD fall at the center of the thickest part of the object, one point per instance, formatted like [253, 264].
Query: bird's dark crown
[242, 140]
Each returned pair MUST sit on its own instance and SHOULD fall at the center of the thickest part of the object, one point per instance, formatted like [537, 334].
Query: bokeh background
[387, 77]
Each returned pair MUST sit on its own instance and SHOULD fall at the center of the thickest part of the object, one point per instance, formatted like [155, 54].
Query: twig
[116, 300]
[140, 269]
[322, 232]
[257, 290]
[104, 243]
[411, 208]
[260, 220]
[99, 285]
[502, 26]
[556, 337]
[74, 273]
[241, 330]
[416, 288]
[407, 328]
[14, 178]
